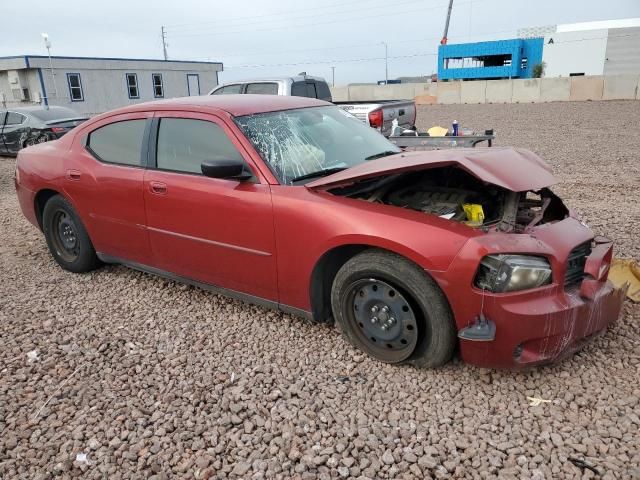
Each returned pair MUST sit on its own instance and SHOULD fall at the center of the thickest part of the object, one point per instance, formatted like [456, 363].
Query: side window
[14, 118]
[132, 85]
[262, 88]
[184, 143]
[228, 90]
[2, 116]
[119, 142]
[158, 86]
[75, 87]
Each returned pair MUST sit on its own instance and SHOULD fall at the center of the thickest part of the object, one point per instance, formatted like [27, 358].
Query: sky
[258, 38]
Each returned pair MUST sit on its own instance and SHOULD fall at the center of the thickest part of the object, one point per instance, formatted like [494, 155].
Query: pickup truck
[378, 114]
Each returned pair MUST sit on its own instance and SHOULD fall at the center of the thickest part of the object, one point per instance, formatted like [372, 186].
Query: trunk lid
[515, 169]
[67, 123]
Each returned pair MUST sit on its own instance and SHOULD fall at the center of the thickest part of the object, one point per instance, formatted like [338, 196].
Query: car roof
[235, 105]
[294, 78]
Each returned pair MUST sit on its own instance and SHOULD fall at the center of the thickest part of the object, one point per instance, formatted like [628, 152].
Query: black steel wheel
[392, 310]
[387, 326]
[66, 236]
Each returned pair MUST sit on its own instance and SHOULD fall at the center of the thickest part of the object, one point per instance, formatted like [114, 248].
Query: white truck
[379, 114]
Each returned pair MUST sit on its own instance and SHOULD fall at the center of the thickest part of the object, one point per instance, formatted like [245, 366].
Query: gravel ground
[119, 374]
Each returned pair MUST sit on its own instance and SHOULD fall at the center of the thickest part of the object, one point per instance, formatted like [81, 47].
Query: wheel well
[42, 197]
[322, 277]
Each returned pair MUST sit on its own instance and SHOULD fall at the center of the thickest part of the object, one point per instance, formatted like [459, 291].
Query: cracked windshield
[307, 143]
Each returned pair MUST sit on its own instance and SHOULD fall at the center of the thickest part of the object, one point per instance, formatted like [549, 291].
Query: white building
[609, 47]
[95, 85]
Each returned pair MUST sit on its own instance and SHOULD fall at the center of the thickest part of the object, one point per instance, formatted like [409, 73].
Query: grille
[575, 264]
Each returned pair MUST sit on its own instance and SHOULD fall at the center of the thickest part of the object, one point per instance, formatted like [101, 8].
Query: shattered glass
[302, 141]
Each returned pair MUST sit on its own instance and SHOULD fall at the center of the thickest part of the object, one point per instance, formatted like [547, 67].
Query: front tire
[68, 240]
[392, 310]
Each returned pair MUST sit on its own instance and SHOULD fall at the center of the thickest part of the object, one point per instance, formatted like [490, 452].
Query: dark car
[22, 127]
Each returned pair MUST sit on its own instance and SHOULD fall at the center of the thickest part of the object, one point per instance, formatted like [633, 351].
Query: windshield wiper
[319, 173]
[386, 153]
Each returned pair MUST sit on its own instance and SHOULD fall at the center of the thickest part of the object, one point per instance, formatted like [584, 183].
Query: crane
[446, 25]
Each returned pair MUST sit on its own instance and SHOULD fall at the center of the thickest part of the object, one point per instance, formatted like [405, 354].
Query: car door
[14, 132]
[103, 178]
[217, 231]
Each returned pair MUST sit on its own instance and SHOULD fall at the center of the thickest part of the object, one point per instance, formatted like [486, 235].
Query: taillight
[58, 129]
[375, 119]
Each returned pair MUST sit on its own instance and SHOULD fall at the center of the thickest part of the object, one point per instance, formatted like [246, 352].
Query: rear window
[262, 88]
[119, 142]
[310, 89]
[54, 113]
[15, 118]
[323, 91]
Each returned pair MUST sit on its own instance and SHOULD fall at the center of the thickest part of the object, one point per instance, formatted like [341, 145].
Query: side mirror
[228, 169]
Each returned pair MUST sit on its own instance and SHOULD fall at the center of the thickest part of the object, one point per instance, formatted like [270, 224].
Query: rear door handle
[158, 188]
[73, 174]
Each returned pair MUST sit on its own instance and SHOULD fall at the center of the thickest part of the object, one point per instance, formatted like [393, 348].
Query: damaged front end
[454, 194]
[530, 284]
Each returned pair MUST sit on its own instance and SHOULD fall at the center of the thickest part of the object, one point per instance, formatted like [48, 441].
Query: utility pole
[47, 44]
[333, 76]
[164, 42]
[386, 63]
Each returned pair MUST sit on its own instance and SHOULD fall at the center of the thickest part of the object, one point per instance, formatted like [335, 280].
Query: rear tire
[392, 310]
[68, 240]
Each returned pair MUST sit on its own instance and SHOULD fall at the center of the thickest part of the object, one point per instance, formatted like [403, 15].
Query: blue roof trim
[27, 57]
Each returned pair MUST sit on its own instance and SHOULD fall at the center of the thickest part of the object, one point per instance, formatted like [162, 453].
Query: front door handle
[73, 174]
[158, 188]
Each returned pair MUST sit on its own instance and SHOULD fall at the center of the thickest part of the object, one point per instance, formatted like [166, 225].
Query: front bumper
[541, 325]
[533, 331]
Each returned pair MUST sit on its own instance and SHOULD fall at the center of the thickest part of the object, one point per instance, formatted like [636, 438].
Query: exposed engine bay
[454, 194]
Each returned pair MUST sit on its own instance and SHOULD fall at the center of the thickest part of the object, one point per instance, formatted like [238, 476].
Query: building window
[523, 63]
[158, 87]
[132, 85]
[498, 60]
[75, 87]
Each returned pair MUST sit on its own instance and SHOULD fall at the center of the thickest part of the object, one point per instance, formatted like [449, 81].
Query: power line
[323, 62]
[246, 53]
[288, 27]
[326, 7]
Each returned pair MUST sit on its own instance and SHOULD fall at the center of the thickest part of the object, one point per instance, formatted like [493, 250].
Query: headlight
[510, 273]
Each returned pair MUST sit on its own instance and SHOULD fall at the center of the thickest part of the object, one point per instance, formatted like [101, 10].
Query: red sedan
[293, 203]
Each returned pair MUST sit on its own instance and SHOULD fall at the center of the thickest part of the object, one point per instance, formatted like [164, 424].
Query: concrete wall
[586, 88]
[526, 91]
[615, 87]
[555, 89]
[499, 91]
[620, 87]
